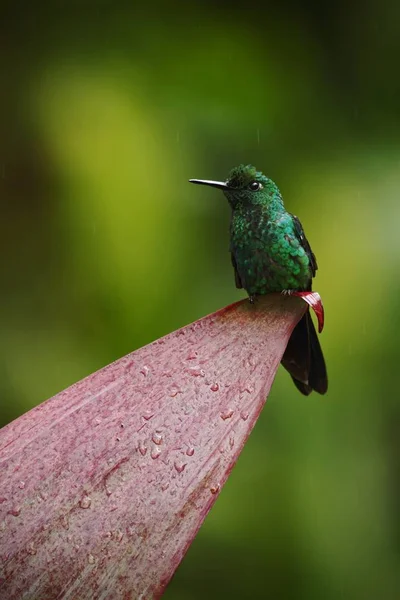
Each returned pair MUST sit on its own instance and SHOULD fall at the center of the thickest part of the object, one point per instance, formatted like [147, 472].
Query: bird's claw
[287, 292]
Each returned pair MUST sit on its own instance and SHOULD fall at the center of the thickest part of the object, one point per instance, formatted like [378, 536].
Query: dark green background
[106, 110]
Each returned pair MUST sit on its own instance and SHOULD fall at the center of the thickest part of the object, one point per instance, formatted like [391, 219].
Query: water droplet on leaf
[142, 448]
[226, 414]
[180, 466]
[175, 391]
[155, 453]
[85, 502]
[31, 549]
[147, 415]
[118, 535]
[157, 438]
[197, 372]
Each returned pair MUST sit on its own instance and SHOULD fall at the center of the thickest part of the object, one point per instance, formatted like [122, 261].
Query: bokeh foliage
[106, 110]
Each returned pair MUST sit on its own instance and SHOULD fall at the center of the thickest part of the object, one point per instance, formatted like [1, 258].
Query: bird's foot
[252, 298]
[287, 292]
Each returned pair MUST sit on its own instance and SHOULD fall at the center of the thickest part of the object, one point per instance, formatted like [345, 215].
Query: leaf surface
[104, 486]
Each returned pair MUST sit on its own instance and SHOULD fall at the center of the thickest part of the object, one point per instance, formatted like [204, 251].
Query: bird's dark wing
[237, 277]
[304, 242]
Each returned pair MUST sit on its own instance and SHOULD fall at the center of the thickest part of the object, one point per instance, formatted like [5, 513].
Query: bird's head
[245, 186]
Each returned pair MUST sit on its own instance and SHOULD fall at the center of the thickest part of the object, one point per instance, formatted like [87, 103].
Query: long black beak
[217, 184]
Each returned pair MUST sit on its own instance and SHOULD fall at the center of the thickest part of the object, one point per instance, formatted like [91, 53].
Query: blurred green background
[107, 110]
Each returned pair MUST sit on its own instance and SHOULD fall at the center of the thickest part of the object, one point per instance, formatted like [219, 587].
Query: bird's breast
[266, 253]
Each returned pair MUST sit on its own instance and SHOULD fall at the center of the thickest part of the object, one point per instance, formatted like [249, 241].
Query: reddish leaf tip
[314, 300]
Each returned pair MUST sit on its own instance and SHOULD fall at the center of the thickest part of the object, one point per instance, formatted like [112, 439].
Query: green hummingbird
[270, 253]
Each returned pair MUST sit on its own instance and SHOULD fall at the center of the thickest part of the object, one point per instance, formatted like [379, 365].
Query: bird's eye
[254, 186]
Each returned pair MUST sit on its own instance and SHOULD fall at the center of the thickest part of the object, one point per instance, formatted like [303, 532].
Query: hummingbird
[270, 253]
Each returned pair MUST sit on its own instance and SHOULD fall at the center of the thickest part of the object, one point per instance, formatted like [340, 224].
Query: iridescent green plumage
[267, 242]
[270, 253]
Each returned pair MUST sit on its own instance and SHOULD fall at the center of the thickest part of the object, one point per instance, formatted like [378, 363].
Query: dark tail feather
[304, 360]
[318, 378]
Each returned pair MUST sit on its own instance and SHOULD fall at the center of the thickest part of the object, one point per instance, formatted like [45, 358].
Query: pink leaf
[104, 486]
